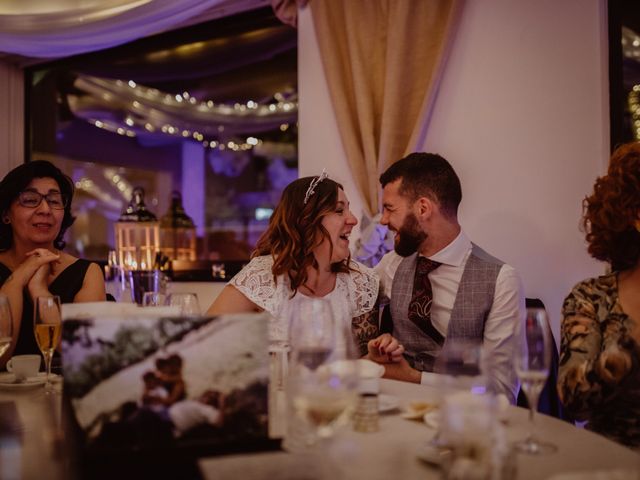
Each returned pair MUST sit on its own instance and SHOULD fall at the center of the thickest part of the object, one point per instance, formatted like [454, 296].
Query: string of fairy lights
[631, 50]
[129, 109]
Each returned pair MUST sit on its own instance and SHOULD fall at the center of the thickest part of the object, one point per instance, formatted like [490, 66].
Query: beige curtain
[383, 60]
[11, 117]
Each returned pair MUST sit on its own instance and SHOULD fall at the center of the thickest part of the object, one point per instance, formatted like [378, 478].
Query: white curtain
[86, 26]
[383, 60]
[11, 117]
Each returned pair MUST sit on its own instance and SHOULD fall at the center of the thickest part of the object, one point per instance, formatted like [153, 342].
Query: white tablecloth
[391, 453]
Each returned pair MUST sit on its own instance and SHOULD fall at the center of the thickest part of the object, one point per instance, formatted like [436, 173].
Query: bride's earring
[638, 225]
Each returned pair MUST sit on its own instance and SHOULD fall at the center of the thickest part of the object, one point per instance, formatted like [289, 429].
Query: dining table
[396, 449]
[34, 444]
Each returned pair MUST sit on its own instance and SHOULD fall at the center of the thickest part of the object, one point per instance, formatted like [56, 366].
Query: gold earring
[638, 225]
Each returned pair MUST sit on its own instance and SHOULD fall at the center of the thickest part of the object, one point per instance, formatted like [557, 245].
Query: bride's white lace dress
[355, 293]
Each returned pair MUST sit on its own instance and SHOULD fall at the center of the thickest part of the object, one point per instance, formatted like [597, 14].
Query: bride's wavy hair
[295, 229]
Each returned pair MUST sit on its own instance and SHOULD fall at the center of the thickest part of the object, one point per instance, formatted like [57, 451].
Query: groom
[440, 285]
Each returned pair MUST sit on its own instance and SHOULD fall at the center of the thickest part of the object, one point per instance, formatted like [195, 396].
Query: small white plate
[432, 419]
[386, 403]
[433, 455]
[416, 410]
[8, 381]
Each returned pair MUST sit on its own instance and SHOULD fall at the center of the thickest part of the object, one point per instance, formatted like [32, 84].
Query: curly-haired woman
[305, 251]
[599, 378]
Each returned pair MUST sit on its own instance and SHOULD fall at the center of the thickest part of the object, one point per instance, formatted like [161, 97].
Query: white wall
[522, 114]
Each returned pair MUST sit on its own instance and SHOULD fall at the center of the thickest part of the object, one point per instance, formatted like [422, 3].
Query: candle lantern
[137, 235]
[177, 231]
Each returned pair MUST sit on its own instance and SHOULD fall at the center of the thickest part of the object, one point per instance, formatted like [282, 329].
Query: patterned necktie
[421, 298]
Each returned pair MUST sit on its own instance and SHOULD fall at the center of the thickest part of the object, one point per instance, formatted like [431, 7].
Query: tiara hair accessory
[314, 183]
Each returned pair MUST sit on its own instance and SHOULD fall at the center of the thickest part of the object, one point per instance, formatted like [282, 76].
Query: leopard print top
[599, 374]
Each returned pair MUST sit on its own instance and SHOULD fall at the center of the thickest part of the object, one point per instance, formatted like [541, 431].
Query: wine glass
[47, 325]
[322, 377]
[462, 368]
[153, 299]
[6, 325]
[532, 362]
[188, 303]
[461, 364]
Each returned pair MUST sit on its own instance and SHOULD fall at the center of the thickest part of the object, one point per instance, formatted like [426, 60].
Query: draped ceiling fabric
[97, 26]
[287, 10]
[144, 111]
[62, 28]
[383, 60]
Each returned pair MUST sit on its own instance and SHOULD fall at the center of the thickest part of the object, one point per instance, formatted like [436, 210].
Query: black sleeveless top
[67, 284]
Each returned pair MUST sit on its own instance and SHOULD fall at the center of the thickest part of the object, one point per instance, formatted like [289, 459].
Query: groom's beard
[409, 236]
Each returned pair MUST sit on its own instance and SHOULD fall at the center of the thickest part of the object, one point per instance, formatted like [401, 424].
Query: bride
[305, 252]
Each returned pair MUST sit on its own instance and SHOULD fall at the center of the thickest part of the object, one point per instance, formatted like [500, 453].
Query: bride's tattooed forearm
[365, 328]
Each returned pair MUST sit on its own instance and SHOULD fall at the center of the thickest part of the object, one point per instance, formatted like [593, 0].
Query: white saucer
[8, 381]
[386, 403]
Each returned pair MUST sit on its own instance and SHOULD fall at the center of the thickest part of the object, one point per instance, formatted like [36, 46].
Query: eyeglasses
[31, 199]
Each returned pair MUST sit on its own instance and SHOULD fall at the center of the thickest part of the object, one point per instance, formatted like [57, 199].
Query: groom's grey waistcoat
[470, 309]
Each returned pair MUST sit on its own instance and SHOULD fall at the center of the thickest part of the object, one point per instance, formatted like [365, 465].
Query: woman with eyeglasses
[35, 209]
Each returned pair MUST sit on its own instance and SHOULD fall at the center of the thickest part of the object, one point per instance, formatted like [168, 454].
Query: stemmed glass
[47, 325]
[153, 299]
[188, 303]
[6, 325]
[532, 362]
[322, 377]
[461, 367]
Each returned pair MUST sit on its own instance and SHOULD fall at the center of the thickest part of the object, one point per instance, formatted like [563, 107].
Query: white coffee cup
[24, 366]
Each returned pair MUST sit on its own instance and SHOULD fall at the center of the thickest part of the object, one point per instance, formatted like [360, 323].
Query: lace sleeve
[255, 281]
[363, 285]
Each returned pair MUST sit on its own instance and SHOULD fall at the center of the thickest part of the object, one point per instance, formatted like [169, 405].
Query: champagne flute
[47, 326]
[6, 325]
[532, 362]
[322, 377]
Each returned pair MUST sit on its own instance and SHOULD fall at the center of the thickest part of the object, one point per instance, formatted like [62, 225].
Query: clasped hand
[385, 349]
[38, 266]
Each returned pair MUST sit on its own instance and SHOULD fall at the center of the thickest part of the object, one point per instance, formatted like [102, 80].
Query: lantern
[177, 231]
[137, 235]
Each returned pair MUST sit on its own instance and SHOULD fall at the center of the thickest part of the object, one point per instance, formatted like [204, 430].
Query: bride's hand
[385, 349]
